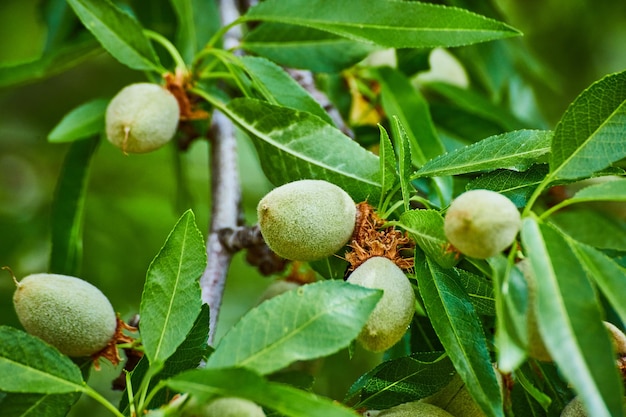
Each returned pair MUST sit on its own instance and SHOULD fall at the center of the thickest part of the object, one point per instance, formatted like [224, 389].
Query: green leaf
[476, 105]
[68, 208]
[425, 227]
[119, 33]
[404, 160]
[242, 383]
[303, 47]
[198, 21]
[516, 150]
[187, 356]
[387, 159]
[402, 380]
[277, 87]
[479, 289]
[37, 405]
[590, 135]
[171, 299]
[288, 328]
[606, 273]
[293, 145]
[400, 99]
[52, 63]
[517, 186]
[592, 228]
[607, 191]
[387, 23]
[29, 365]
[460, 331]
[83, 121]
[570, 320]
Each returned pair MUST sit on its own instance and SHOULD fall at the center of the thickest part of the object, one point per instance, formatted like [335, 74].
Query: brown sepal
[179, 84]
[371, 238]
[111, 351]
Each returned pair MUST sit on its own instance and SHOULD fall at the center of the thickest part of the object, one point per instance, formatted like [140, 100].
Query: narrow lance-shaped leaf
[513, 150]
[393, 24]
[287, 328]
[198, 20]
[404, 160]
[171, 299]
[278, 87]
[304, 47]
[83, 121]
[570, 321]
[426, 228]
[29, 365]
[119, 33]
[400, 99]
[68, 208]
[388, 172]
[242, 383]
[606, 273]
[460, 331]
[39, 405]
[590, 135]
[293, 144]
[402, 380]
[517, 186]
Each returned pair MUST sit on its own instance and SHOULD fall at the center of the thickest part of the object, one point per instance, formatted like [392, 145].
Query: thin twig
[225, 200]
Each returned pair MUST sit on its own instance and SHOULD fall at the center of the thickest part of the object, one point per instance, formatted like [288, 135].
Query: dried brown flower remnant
[111, 351]
[178, 84]
[371, 239]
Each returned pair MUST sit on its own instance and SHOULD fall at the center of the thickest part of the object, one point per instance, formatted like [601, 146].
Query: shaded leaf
[606, 273]
[294, 145]
[386, 23]
[83, 121]
[68, 208]
[243, 383]
[303, 47]
[314, 321]
[171, 300]
[517, 186]
[584, 225]
[516, 150]
[277, 87]
[425, 227]
[198, 21]
[460, 331]
[570, 321]
[590, 135]
[400, 99]
[29, 365]
[119, 33]
[402, 380]
[52, 63]
[607, 191]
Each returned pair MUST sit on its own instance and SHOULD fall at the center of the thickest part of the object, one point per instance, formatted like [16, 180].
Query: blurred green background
[133, 201]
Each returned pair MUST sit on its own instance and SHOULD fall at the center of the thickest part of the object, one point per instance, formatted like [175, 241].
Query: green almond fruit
[306, 220]
[142, 117]
[68, 313]
[394, 311]
[224, 407]
[481, 223]
[415, 409]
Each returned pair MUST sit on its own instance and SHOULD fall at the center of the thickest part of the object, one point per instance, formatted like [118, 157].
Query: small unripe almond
[142, 117]
[415, 409]
[394, 311]
[482, 223]
[306, 220]
[575, 408]
[66, 312]
[224, 407]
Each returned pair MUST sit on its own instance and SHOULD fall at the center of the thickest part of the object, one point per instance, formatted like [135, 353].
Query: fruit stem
[171, 49]
[17, 283]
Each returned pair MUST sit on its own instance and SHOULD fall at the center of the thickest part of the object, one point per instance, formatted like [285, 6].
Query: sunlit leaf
[242, 383]
[570, 320]
[83, 121]
[426, 228]
[314, 321]
[590, 135]
[171, 300]
[386, 23]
